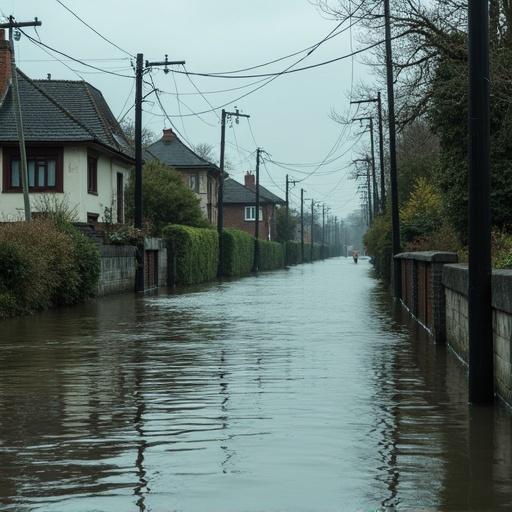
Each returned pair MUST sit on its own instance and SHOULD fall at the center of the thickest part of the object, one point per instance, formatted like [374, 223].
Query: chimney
[168, 135]
[5, 64]
[250, 180]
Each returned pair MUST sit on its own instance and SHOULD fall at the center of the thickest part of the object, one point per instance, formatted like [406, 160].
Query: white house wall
[75, 187]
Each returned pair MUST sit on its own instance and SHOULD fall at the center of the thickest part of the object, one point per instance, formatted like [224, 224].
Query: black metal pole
[257, 215]
[138, 217]
[302, 225]
[481, 372]
[381, 156]
[395, 216]
[220, 191]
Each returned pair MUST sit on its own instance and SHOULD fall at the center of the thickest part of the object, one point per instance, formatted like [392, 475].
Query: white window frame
[250, 214]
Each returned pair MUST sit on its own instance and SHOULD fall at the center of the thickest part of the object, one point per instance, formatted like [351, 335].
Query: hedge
[271, 255]
[237, 253]
[43, 265]
[293, 255]
[195, 253]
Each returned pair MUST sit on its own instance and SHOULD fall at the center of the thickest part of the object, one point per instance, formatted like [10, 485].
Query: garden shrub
[196, 253]
[237, 252]
[44, 265]
[271, 255]
[379, 245]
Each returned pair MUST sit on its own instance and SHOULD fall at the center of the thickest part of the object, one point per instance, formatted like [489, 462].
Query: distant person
[355, 255]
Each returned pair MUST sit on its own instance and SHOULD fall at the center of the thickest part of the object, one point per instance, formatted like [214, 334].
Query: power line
[40, 43]
[287, 70]
[166, 115]
[93, 29]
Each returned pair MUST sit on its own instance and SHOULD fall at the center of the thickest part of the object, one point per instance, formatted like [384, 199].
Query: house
[199, 174]
[240, 207]
[76, 149]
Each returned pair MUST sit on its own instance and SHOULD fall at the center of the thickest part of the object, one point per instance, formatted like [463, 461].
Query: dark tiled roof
[236, 193]
[176, 154]
[62, 111]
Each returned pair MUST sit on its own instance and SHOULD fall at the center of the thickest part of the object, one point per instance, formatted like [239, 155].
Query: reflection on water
[300, 390]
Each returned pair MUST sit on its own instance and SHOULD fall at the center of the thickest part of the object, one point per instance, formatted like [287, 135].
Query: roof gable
[236, 193]
[62, 111]
[175, 153]
[44, 120]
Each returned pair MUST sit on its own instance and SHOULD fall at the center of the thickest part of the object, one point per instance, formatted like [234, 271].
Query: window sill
[92, 193]
[32, 191]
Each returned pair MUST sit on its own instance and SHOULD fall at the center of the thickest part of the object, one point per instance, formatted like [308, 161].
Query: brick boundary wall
[422, 289]
[455, 284]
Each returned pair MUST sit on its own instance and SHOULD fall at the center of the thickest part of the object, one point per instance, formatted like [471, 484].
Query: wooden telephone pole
[12, 24]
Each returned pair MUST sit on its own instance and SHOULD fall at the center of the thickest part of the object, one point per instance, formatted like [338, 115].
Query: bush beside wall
[238, 253]
[43, 265]
[195, 252]
[271, 255]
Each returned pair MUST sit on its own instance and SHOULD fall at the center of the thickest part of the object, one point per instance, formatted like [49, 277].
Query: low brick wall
[117, 274]
[455, 281]
[422, 291]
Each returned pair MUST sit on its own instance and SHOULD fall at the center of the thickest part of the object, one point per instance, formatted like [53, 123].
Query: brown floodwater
[298, 390]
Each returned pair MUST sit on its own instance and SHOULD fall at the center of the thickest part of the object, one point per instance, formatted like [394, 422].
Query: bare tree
[148, 136]
[205, 151]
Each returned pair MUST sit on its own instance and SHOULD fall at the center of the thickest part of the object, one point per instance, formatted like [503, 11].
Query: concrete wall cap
[154, 244]
[432, 256]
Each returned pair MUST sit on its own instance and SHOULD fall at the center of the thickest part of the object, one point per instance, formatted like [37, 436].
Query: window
[44, 170]
[92, 175]
[193, 182]
[250, 213]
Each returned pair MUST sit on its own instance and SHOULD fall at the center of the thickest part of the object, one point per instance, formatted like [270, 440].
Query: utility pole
[381, 155]
[257, 216]
[481, 371]
[287, 200]
[368, 188]
[375, 196]
[312, 228]
[138, 220]
[378, 101]
[336, 239]
[302, 225]
[323, 231]
[17, 108]
[220, 191]
[395, 216]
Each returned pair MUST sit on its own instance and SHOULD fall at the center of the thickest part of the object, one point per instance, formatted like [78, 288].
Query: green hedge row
[271, 255]
[44, 264]
[237, 253]
[292, 253]
[194, 254]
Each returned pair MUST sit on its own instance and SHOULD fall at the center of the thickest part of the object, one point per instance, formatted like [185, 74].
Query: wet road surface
[298, 390]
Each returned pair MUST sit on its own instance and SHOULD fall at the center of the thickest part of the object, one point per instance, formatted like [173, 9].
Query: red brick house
[240, 207]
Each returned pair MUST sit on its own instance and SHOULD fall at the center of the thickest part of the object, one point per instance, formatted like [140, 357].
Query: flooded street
[298, 390]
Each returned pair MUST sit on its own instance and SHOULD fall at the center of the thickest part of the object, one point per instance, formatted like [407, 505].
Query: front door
[120, 198]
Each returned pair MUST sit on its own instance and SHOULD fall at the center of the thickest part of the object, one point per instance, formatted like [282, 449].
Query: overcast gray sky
[289, 117]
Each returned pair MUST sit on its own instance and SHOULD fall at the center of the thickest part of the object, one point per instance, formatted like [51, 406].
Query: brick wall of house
[234, 217]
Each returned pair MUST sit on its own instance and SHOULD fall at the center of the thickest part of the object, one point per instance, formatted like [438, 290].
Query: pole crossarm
[19, 24]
